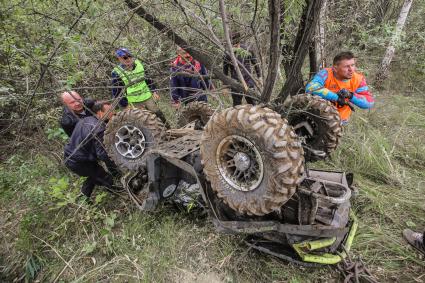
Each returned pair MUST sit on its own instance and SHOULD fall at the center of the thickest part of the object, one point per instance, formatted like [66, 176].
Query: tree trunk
[312, 56]
[294, 80]
[320, 37]
[274, 55]
[316, 51]
[383, 71]
[229, 47]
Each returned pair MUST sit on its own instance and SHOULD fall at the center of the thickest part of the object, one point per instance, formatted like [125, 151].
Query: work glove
[343, 95]
[341, 100]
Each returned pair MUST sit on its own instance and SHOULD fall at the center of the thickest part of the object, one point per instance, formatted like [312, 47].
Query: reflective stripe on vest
[137, 88]
[335, 85]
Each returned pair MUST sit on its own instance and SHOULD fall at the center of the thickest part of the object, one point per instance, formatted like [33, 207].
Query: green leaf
[100, 197]
[104, 232]
[89, 247]
[110, 222]
[410, 224]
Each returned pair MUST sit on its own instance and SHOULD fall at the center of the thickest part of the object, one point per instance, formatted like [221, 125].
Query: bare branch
[294, 81]
[201, 57]
[44, 70]
[217, 42]
[229, 44]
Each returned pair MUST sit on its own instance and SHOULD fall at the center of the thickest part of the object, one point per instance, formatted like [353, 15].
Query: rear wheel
[252, 159]
[197, 111]
[129, 134]
[316, 121]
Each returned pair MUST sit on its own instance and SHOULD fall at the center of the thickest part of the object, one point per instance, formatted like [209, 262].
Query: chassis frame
[321, 232]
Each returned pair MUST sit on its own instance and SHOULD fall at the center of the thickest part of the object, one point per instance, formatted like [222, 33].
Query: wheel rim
[130, 142]
[240, 163]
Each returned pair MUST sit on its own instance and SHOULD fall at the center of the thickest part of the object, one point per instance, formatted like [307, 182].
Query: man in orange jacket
[342, 85]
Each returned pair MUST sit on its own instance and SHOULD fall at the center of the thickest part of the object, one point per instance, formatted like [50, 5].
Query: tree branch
[44, 71]
[229, 43]
[294, 81]
[201, 57]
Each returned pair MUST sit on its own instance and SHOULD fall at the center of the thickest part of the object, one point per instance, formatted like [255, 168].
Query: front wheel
[252, 158]
[129, 134]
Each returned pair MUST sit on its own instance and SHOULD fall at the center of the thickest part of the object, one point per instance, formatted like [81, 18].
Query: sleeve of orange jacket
[362, 97]
[317, 86]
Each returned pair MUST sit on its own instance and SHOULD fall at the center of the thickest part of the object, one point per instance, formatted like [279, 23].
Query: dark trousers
[95, 174]
[237, 98]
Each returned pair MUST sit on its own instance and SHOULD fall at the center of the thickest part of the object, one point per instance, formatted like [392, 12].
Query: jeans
[237, 98]
[95, 174]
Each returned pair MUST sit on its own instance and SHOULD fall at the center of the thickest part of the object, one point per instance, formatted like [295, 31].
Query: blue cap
[122, 52]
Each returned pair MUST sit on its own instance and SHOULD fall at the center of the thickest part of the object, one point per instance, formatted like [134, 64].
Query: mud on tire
[323, 119]
[275, 165]
[193, 111]
[129, 134]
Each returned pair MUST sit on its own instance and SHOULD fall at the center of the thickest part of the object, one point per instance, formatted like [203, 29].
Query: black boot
[415, 239]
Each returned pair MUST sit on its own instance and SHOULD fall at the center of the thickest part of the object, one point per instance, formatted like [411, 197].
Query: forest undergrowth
[51, 46]
[47, 237]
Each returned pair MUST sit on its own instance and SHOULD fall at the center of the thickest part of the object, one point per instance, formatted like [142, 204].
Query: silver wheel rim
[130, 142]
[239, 163]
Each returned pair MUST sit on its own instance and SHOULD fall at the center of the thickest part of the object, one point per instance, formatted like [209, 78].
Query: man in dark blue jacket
[75, 108]
[85, 149]
[247, 58]
[189, 79]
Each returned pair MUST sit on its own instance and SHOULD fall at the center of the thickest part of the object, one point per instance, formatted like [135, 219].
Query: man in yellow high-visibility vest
[131, 82]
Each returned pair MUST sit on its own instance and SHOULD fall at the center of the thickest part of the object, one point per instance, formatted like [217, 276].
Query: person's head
[183, 54]
[236, 38]
[344, 65]
[73, 101]
[124, 56]
[103, 110]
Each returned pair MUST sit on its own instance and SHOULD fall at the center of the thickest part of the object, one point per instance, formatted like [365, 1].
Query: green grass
[46, 236]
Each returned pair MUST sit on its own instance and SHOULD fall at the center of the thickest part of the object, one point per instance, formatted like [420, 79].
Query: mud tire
[278, 146]
[325, 116]
[193, 111]
[148, 123]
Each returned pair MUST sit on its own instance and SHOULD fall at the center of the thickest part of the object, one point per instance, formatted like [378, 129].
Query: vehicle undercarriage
[246, 169]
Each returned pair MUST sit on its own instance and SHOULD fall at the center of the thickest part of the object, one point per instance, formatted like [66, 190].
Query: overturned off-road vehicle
[246, 168]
